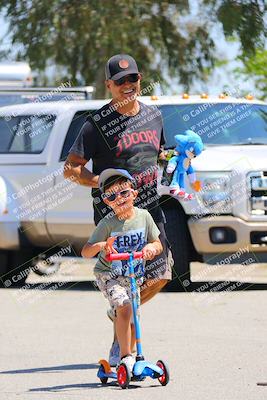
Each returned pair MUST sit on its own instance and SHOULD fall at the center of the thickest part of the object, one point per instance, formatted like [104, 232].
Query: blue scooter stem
[134, 308]
[131, 257]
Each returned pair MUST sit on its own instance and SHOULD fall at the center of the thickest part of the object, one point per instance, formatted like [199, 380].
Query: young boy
[126, 229]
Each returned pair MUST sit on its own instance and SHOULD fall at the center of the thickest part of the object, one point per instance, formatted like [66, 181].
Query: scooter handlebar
[123, 256]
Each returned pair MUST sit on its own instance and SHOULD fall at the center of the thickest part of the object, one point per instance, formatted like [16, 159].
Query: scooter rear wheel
[123, 376]
[163, 379]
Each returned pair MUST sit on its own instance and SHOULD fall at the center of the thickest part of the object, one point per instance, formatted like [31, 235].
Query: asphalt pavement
[214, 343]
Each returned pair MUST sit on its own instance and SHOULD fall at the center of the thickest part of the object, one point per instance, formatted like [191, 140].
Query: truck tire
[43, 266]
[183, 250]
[4, 258]
[16, 263]
[13, 264]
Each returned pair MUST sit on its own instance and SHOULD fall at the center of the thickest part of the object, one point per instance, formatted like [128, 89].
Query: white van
[16, 73]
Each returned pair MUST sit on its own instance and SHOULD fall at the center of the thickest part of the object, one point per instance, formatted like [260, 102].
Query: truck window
[217, 123]
[8, 98]
[25, 133]
[74, 128]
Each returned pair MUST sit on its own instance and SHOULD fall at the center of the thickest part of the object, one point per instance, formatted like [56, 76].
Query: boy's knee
[124, 311]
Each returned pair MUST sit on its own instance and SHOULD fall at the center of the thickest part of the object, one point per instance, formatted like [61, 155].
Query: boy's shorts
[117, 289]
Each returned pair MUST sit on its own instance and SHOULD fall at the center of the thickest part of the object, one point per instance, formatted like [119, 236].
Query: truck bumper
[227, 233]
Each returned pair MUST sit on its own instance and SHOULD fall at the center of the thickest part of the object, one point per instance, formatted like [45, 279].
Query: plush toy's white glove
[170, 168]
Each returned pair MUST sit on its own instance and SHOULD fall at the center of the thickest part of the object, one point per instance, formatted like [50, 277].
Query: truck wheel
[4, 261]
[42, 266]
[182, 248]
[14, 266]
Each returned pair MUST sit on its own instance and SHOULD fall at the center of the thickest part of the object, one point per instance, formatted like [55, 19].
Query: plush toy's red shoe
[177, 192]
[188, 196]
[182, 194]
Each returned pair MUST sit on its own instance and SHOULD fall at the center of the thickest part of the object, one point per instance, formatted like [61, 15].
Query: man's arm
[74, 169]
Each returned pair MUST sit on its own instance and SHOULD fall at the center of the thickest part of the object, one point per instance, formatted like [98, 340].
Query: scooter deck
[144, 368]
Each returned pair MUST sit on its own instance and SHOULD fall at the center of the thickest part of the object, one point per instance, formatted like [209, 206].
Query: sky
[221, 79]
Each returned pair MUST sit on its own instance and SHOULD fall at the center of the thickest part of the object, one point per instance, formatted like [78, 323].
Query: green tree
[81, 35]
[244, 20]
[255, 67]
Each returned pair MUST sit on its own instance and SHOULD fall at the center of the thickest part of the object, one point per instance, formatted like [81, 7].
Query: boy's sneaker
[129, 361]
[114, 354]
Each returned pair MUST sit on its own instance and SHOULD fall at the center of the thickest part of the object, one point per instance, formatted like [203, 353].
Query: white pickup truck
[40, 210]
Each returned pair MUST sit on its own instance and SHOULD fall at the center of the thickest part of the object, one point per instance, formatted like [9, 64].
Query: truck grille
[257, 184]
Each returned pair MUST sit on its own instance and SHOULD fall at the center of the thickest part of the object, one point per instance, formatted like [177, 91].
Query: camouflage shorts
[117, 289]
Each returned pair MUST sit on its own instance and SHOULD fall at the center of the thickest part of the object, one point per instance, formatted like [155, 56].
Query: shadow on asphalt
[96, 385]
[49, 286]
[70, 387]
[214, 286]
[178, 285]
[199, 287]
[52, 369]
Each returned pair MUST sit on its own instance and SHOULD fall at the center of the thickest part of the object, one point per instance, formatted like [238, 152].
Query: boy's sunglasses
[128, 78]
[123, 193]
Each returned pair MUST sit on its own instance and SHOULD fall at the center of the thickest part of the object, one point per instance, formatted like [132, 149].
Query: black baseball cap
[120, 65]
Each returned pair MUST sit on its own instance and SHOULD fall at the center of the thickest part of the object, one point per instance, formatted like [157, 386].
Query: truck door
[71, 214]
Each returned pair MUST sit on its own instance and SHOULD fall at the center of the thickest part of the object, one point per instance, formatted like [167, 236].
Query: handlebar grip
[123, 256]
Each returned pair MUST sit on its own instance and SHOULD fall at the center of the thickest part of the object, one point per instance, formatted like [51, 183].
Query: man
[128, 134]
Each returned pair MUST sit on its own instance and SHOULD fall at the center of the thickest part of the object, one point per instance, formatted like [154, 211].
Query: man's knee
[151, 287]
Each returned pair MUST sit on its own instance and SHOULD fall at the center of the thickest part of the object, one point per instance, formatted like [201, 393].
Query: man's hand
[149, 252]
[162, 155]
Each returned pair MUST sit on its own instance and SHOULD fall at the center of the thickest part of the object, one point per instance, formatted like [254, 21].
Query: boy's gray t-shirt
[131, 235]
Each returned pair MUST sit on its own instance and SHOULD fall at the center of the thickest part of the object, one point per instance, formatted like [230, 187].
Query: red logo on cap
[123, 64]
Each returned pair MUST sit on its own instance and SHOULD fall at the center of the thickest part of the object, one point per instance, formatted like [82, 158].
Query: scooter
[142, 368]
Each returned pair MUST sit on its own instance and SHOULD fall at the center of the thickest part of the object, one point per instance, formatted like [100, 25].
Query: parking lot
[51, 341]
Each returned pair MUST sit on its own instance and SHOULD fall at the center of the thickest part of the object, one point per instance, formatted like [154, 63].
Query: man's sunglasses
[123, 193]
[128, 78]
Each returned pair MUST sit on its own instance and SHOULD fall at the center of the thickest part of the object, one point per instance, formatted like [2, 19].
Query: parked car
[39, 209]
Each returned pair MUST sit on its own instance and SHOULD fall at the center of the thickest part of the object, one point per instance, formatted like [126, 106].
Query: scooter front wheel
[163, 379]
[103, 379]
[123, 376]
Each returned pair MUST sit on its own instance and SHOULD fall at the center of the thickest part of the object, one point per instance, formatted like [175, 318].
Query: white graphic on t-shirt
[127, 242]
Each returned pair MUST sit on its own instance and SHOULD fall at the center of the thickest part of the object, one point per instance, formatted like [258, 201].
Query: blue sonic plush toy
[189, 145]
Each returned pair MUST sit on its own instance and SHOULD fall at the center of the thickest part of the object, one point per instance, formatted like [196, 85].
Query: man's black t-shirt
[114, 140]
